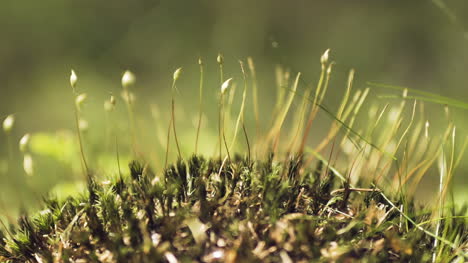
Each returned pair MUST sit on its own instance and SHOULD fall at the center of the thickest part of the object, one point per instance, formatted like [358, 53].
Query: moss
[249, 212]
[265, 204]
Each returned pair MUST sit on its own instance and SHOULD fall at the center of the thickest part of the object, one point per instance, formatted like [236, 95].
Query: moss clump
[210, 211]
[268, 204]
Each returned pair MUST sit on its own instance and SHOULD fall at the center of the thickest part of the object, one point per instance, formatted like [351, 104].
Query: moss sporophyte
[270, 196]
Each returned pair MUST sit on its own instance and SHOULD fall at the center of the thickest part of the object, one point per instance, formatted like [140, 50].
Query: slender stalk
[240, 117]
[80, 142]
[10, 148]
[330, 157]
[131, 119]
[443, 170]
[224, 86]
[247, 142]
[356, 110]
[128, 79]
[450, 168]
[220, 60]
[299, 119]
[200, 112]
[109, 106]
[276, 129]
[220, 125]
[174, 128]
[282, 83]
[118, 156]
[76, 102]
[336, 125]
[7, 126]
[398, 174]
[255, 96]
[229, 100]
[173, 89]
[172, 119]
[430, 160]
[108, 131]
[168, 142]
[227, 148]
[324, 75]
[460, 154]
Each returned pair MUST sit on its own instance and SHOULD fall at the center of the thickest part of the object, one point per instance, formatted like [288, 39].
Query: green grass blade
[459, 105]
[426, 96]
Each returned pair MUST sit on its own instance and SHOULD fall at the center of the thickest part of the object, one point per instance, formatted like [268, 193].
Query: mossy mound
[233, 211]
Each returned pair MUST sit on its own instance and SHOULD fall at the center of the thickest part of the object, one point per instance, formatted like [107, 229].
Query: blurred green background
[415, 43]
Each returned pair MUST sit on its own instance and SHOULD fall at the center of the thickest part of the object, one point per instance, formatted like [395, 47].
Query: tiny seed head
[73, 79]
[24, 142]
[8, 123]
[325, 56]
[426, 131]
[177, 73]
[220, 59]
[128, 79]
[225, 85]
